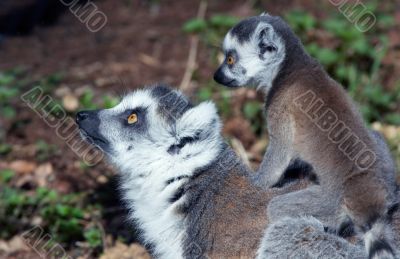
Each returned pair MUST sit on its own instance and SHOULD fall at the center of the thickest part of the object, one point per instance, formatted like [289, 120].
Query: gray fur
[304, 238]
[243, 30]
[312, 201]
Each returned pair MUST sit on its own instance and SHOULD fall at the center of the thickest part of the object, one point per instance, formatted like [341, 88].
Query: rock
[22, 166]
[70, 102]
[42, 174]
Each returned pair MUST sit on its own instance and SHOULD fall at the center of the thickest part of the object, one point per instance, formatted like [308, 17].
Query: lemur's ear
[266, 37]
[198, 121]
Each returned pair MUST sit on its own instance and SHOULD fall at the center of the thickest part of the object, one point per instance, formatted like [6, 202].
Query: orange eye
[230, 60]
[132, 118]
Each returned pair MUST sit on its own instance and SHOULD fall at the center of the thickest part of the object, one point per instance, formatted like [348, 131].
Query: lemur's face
[149, 123]
[253, 54]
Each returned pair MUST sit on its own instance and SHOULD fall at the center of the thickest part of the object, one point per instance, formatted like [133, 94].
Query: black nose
[81, 116]
[218, 76]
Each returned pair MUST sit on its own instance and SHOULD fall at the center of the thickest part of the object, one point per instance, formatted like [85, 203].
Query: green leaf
[342, 29]
[301, 20]
[204, 94]
[86, 100]
[6, 79]
[63, 210]
[194, 25]
[109, 101]
[392, 118]
[7, 93]
[6, 175]
[361, 46]
[386, 21]
[8, 112]
[5, 148]
[224, 21]
[55, 78]
[251, 109]
[327, 56]
[93, 237]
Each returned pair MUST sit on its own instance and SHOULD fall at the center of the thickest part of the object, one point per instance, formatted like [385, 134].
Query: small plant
[44, 150]
[211, 30]
[5, 149]
[64, 217]
[7, 93]
[110, 101]
[93, 237]
[86, 100]
[221, 96]
[6, 175]
[50, 82]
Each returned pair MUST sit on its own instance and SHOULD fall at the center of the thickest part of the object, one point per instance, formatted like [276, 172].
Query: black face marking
[140, 125]
[232, 53]
[244, 29]
[130, 148]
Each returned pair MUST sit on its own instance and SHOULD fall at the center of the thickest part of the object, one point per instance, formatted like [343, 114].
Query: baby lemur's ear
[266, 38]
[201, 120]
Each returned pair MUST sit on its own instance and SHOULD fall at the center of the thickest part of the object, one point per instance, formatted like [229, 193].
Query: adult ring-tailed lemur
[187, 190]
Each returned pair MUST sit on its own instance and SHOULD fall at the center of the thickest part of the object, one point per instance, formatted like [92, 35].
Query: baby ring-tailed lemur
[311, 118]
[187, 190]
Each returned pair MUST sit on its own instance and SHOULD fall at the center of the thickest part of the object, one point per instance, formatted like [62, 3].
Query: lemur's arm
[279, 153]
[276, 159]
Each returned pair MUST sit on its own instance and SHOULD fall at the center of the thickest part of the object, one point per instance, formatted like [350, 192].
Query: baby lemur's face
[150, 123]
[253, 52]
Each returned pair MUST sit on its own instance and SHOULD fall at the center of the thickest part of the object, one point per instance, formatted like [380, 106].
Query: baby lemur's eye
[230, 60]
[133, 118]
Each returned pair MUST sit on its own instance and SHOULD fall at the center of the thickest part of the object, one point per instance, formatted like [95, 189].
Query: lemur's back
[322, 114]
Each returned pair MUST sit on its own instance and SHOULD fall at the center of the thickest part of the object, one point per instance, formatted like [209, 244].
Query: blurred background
[86, 58]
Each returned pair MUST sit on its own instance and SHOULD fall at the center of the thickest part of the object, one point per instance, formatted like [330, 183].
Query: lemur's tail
[378, 241]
